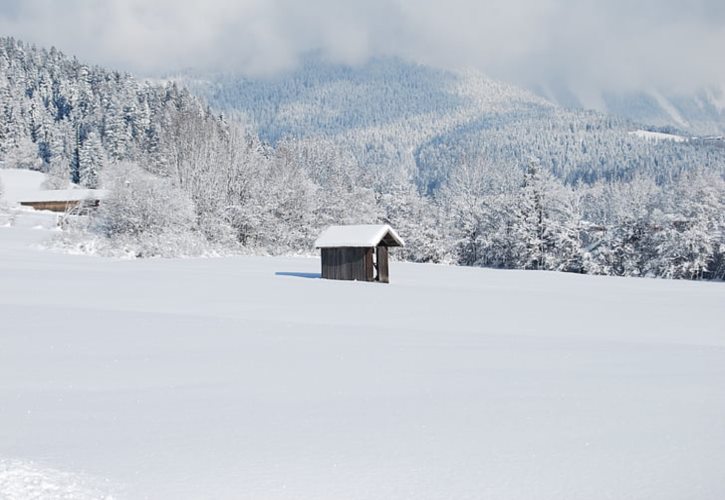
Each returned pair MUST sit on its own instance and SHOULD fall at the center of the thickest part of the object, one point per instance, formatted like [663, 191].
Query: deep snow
[245, 378]
[19, 185]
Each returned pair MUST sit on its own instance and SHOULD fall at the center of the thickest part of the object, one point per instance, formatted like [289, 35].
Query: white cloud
[586, 43]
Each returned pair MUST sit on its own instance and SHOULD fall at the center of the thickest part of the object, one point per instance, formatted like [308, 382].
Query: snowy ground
[27, 185]
[658, 136]
[247, 378]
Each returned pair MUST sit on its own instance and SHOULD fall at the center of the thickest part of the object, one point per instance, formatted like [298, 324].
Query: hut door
[368, 265]
[381, 254]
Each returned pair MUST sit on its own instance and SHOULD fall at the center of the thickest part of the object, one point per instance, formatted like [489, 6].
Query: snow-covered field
[19, 185]
[658, 136]
[26, 185]
[248, 378]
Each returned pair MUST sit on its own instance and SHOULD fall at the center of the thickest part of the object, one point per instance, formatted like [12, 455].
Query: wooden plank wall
[348, 263]
[53, 206]
[60, 206]
[382, 258]
[368, 265]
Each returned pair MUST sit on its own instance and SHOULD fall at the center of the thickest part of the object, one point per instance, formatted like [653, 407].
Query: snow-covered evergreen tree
[91, 160]
[546, 224]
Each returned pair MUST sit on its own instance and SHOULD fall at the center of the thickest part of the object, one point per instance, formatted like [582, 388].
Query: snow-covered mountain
[395, 114]
[333, 99]
[698, 113]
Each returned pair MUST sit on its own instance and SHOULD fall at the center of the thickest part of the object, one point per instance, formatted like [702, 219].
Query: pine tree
[90, 161]
[115, 130]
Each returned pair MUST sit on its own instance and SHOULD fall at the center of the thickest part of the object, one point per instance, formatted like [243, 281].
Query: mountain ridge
[394, 114]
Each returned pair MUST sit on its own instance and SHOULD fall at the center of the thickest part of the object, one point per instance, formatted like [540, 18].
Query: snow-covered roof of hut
[362, 235]
[64, 195]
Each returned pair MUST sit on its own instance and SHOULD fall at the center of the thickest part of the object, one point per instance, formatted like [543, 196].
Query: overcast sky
[613, 44]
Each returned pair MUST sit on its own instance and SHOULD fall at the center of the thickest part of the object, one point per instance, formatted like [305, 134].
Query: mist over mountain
[590, 45]
[653, 62]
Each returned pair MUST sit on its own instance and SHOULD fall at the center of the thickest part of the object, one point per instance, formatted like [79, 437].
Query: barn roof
[63, 195]
[362, 235]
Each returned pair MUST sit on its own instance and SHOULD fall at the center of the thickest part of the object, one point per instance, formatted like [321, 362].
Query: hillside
[396, 115]
[245, 378]
[697, 113]
[71, 119]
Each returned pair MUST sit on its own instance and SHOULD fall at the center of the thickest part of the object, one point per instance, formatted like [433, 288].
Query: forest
[469, 171]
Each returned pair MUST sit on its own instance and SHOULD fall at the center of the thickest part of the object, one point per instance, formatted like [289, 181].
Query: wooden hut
[64, 200]
[357, 252]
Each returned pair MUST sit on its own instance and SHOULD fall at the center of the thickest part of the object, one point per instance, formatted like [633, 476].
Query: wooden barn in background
[66, 200]
[357, 252]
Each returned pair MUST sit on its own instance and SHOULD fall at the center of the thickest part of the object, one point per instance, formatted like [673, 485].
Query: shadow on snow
[299, 275]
